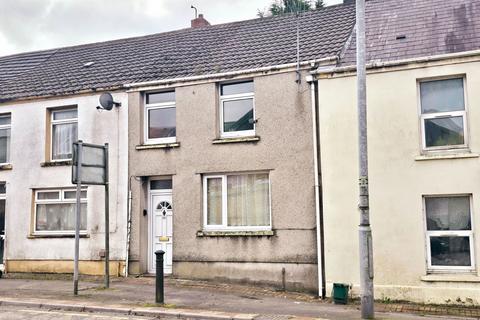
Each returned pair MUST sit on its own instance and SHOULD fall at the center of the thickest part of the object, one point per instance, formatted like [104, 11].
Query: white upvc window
[5, 131]
[160, 118]
[64, 132]
[237, 109]
[237, 202]
[443, 114]
[450, 243]
[55, 211]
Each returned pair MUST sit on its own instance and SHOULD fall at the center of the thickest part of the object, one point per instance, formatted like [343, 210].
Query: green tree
[278, 7]
[319, 4]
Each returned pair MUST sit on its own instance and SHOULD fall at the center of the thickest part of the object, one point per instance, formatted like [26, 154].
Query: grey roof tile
[431, 27]
[194, 51]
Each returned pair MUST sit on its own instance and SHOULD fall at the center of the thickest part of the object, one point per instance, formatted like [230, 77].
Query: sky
[29, 25]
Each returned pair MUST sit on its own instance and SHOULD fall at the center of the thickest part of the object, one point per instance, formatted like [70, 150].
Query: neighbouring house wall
[26, 252]
[283, 111]
[398, 180]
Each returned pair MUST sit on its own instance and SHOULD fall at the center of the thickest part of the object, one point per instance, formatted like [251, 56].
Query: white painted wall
[28, 151]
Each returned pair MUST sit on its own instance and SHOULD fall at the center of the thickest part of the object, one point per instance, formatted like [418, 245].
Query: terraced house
[222, 149]
[234, 150]
[218, 125]
[46, 104]
[423, 118]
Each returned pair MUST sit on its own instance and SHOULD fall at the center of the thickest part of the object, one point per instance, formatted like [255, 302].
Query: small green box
[340, 293]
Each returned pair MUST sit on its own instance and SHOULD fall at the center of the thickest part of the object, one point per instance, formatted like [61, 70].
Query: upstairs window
[64, 133]
[449, 233]
[160, 117]
[443, 114]
[5, 128]
[237, 114]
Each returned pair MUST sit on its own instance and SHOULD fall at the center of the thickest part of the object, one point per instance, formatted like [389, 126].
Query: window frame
[236, 97]
[156, 106]
[447, 114]
[54, 122]
[449, 233]
[61, 199]
[224, 226]
[3, 127]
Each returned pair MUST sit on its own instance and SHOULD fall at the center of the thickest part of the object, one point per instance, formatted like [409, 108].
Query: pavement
[9, 313]
[133, 298]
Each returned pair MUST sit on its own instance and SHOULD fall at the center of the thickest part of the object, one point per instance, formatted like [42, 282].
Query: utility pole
[365, 232]
[78, 215]
[107, 222]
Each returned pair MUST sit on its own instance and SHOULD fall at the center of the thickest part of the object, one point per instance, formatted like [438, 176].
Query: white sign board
[94, 164]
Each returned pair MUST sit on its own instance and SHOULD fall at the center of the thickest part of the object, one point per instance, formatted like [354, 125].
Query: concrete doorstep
[151, 311]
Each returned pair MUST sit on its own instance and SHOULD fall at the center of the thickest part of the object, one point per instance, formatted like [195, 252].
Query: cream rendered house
[423, 102]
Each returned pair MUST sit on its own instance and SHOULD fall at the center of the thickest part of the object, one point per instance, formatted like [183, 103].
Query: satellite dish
[106, 102]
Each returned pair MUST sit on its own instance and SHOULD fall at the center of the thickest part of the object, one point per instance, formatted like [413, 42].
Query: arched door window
[163, 206]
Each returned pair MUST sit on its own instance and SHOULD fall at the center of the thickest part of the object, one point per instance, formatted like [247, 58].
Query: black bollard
[159, 291]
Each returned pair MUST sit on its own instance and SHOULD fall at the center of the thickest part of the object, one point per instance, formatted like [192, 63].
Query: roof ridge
[120, 40]
[216, 49]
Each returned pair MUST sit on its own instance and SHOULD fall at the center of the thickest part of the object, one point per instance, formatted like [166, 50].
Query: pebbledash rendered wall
[283, 111]
[26, 252]
[399, 177]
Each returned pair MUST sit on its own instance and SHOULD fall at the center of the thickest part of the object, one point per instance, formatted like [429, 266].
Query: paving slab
[186, 298]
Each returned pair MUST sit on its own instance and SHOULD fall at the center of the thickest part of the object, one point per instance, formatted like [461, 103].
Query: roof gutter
[401, 62]
[232, 73]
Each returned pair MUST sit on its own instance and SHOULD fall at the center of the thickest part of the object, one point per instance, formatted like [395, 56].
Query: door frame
[150, 253]
[3, 196]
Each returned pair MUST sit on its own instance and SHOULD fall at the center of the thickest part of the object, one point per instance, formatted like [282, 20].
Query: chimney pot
[200, 22]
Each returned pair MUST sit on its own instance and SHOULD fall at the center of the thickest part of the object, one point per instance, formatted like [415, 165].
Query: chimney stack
[200, 22]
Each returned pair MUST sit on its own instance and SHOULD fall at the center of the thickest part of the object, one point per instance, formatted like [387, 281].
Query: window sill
[442, 156]
[450, 278]
[49, 236]
[158, 146]
[6, 166]
[266, 233]
[56, 163]
[236, 140]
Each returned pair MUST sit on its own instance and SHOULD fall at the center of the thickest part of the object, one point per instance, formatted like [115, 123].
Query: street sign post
[90, 167]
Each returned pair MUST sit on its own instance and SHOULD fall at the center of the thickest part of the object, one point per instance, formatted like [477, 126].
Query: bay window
[449, 233]
[55, 211]
[63, 133]
[237, 202]
[443, 114]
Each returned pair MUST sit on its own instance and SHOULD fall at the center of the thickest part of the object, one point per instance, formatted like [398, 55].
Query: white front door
[2, 230]
[161, 229]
